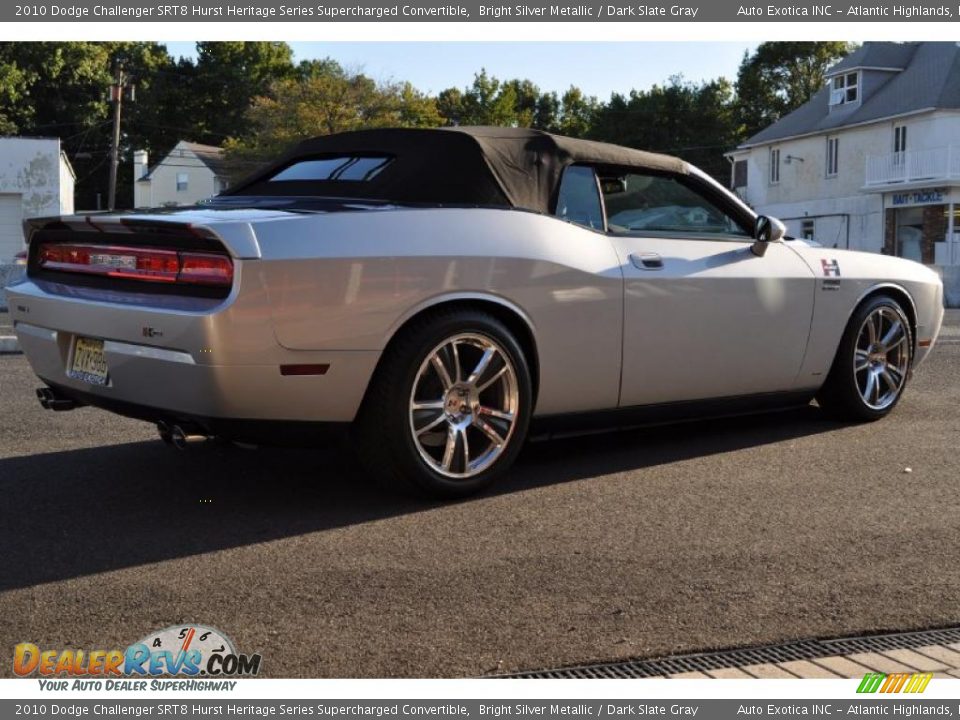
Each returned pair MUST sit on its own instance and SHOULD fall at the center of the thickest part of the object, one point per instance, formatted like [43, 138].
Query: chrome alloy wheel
[463, 406]
[881, 358]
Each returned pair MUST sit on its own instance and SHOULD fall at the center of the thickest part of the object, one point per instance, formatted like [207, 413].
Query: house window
[220, 184]
[899, 144]
[845, 89]
[740, 174]
[807, 229]
[774, 166]
[183, 182]
[833, 150]
[900, 139]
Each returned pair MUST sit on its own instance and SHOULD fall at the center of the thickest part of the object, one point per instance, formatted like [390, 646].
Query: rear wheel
[870, 371]
[449, 407]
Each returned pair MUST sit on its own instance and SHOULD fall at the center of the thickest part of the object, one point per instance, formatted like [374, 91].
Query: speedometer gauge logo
[189, 650]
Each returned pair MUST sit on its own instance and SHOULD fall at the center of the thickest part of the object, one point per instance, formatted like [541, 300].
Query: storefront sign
[927, 196]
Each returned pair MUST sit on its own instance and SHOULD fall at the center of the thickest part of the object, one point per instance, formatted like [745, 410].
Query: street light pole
[123, 84]
[116, 94]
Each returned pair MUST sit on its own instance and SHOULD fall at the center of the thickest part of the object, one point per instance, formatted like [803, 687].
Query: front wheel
[449, 407]
[872, 364]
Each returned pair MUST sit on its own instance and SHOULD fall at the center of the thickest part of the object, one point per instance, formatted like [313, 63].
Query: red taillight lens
[170, 266]
[206, 269]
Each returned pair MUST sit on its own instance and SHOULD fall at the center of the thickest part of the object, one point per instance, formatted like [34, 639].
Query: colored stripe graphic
[871, 682]
[918, 682]
[894, 682]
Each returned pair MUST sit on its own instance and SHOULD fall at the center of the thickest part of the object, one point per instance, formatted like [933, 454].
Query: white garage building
[36, 180]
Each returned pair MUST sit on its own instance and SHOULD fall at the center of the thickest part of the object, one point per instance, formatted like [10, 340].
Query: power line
[94, 170]
[87, 130]
[181, 129]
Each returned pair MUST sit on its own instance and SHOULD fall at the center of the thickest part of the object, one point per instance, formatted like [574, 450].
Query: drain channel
[702, 662]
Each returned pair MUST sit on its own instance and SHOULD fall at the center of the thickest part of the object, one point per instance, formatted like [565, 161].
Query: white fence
[933, 164]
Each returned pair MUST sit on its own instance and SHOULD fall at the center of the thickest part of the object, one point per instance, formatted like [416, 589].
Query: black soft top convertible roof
[511, 167]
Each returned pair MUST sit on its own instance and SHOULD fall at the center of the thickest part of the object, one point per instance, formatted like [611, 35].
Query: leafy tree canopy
[780, 77]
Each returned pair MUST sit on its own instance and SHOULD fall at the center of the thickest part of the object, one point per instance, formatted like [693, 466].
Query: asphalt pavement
[636, 544]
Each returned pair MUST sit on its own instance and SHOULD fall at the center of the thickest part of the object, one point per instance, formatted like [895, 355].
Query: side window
[579, 198]
[661, 204]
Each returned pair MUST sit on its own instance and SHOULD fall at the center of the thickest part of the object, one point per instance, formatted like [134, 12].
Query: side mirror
[765, 231]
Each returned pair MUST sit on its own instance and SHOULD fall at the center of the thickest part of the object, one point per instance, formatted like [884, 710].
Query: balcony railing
[911, 166]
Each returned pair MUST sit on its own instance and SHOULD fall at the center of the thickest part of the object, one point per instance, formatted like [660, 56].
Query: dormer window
[845, 89]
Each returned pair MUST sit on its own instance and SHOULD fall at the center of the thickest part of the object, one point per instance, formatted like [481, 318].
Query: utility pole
[116, 95]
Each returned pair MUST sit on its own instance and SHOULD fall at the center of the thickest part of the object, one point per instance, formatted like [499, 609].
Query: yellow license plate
[89, 361]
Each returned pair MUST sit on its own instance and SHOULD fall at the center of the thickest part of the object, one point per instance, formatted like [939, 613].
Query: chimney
[140, 161]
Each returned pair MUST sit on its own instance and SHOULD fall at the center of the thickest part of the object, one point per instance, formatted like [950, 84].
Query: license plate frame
[88, 361]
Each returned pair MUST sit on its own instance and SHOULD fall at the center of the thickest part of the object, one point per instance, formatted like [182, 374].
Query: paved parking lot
[638, 544]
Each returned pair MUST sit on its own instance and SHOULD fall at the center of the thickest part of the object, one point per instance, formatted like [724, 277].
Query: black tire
[383, 434]
[840, 397]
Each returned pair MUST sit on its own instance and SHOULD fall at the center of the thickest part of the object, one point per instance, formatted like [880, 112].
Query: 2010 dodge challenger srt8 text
[444, 294]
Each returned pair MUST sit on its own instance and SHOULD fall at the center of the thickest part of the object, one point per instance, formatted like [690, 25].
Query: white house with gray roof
[189, 173]
[872, 161]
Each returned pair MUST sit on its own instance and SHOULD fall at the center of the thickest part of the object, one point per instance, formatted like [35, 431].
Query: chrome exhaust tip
[181, 437]
[50, 400]
[44, 395]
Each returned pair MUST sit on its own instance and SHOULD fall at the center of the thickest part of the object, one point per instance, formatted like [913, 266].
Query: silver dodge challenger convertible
[443, 295]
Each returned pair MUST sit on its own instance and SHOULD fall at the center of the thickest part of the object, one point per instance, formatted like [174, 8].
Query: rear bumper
[269, 432]
[216, 366]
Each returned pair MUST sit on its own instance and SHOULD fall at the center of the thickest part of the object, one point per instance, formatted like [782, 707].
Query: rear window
[345, 168]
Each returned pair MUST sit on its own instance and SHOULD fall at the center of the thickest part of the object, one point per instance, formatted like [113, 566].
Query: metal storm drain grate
[893, 641]
[703, 662]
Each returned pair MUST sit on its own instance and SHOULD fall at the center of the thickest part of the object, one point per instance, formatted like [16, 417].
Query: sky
[597, 68]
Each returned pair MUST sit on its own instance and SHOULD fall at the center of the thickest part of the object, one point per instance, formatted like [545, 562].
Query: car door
[704, 317]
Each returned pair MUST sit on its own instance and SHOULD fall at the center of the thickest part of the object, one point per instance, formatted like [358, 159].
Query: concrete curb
[9, 344]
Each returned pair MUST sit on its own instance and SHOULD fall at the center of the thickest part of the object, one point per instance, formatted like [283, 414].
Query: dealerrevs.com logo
[179, 650]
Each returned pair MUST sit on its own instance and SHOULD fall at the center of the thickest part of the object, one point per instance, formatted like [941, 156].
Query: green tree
[695, 121]
[450, 106]
[318, 68]
[60, 86]
[329, 100]
[576, 113]
[547, 116]
[488, 101]
[780, 77]
[417, 109]
[229, 75]
[526, 97]
[13, 88]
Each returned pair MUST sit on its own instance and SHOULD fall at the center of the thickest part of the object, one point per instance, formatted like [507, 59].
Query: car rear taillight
[148, 264]
[206, 268]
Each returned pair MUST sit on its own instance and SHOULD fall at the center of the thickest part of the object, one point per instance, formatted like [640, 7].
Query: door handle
[646, 260]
